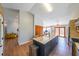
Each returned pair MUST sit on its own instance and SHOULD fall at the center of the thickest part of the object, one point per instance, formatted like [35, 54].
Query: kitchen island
[45, 44]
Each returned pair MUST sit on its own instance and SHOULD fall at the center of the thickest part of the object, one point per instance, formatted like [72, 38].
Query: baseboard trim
[26, 42]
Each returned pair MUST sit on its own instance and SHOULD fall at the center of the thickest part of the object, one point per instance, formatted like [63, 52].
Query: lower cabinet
[75, 41]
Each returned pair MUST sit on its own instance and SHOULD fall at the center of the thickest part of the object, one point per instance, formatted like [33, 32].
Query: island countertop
[43, 39]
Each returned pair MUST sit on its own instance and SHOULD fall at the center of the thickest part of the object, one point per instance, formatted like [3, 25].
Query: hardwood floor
[11, 48]
[62, 49]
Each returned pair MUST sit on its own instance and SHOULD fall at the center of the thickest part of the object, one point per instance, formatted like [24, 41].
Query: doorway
[60, 31]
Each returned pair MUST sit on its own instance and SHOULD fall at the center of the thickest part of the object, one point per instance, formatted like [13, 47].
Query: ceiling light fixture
[48, 6]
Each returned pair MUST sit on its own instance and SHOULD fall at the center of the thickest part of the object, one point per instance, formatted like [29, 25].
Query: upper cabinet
[74, 28]
[77, 24]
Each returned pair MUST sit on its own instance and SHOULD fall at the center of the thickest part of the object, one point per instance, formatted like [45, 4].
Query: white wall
[38, 20]
[1, 35]
[11, 19]
[26, 28]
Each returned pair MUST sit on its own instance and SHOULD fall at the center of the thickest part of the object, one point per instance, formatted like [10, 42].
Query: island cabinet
[45, 49]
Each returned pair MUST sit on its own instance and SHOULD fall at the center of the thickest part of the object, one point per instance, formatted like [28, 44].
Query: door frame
[2, 35]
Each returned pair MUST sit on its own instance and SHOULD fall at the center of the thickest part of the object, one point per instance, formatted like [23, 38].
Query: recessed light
[48, 7]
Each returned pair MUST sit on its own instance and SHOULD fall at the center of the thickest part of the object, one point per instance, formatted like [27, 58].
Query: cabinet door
[38, 30]
[48, 48]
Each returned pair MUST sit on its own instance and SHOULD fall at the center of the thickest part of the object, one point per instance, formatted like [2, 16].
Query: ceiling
[62, 12]
[19, 6]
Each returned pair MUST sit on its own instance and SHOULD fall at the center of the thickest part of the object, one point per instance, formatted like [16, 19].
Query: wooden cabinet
[73, 31]
[75, 42]
[38, 30]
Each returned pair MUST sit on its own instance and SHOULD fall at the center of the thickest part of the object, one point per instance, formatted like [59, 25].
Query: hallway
[62, 49]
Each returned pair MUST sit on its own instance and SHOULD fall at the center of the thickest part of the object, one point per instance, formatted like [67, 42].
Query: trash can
[33, 50]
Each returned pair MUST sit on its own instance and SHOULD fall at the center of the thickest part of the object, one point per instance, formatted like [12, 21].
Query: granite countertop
[43, 39]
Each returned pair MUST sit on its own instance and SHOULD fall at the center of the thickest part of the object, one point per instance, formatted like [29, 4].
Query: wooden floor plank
[62, 49]
[11, 48]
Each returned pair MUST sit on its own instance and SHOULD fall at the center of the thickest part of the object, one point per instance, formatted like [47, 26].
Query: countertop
[75, 37]
[44, 39]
